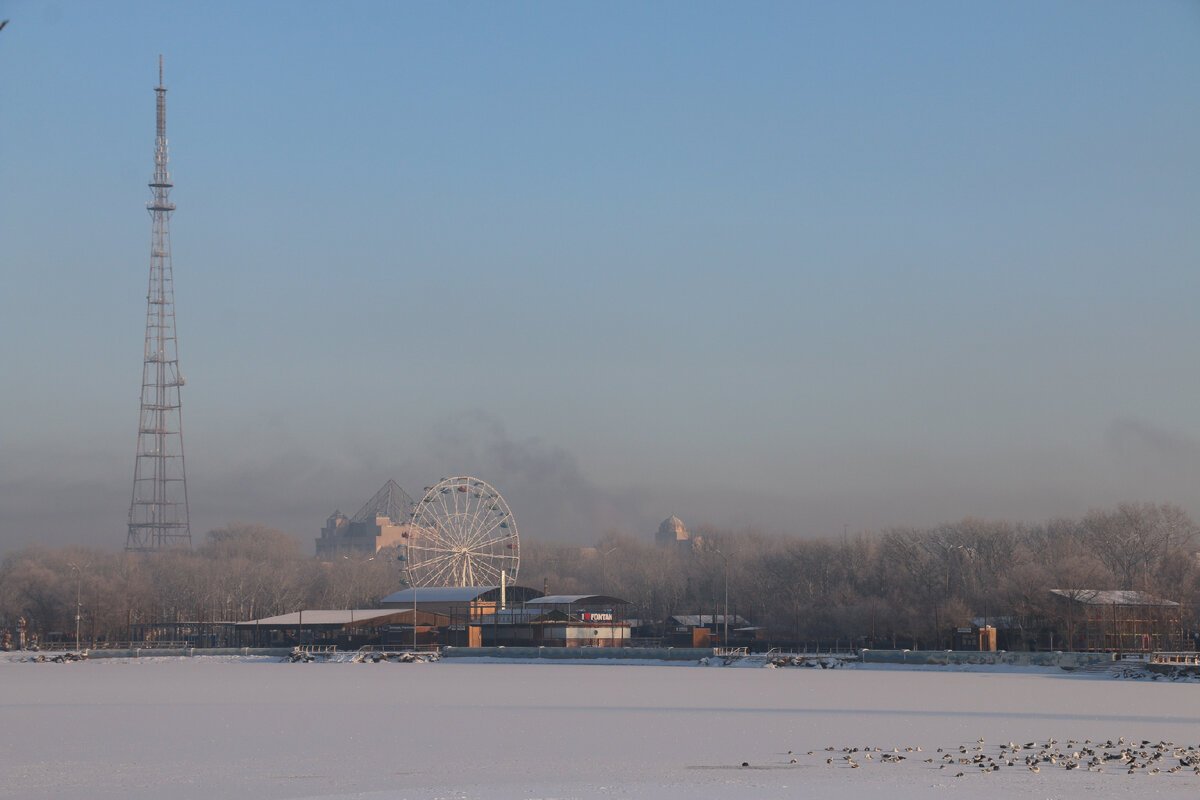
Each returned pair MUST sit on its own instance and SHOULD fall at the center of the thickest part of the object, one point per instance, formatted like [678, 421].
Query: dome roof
[673, 528]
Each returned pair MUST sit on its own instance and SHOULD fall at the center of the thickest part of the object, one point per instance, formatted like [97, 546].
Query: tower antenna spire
[158, 512]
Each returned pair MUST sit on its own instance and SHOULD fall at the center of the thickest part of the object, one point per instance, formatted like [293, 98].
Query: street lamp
[725, 616]
[78, 597]
[604, 564]
[405, 558]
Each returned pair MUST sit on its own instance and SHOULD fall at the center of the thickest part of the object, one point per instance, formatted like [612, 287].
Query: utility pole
[604, 566]
[725, 616]
[413, 587]
[78, 598]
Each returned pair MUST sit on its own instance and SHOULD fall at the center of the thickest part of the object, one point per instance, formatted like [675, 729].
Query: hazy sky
[802, 266]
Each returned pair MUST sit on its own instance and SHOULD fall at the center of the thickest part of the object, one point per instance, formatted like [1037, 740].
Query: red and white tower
[158, 513]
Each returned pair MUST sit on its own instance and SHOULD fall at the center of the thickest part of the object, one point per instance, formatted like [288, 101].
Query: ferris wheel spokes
[463, 534]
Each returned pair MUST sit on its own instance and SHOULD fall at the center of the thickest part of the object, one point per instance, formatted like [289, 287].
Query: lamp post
[725, 616]
[604, 564]
[78, 597]
[406, 559]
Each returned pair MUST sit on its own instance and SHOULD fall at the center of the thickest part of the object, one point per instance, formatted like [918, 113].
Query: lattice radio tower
[158, 513]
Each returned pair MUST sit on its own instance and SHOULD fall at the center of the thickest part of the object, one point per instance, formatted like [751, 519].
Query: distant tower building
[158, 513]
[335, 526]
[383, 521]
[672, 532]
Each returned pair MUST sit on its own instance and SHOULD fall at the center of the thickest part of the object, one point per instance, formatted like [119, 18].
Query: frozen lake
[222, 727]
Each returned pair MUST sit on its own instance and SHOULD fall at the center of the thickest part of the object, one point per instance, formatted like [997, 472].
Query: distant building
[579, 620]
[346, 629]
[462, 603]
[381, 522]
[673, 533]
[709, 630]
[975, 637]
[432, 617]
[462, 606]
[1120, 621]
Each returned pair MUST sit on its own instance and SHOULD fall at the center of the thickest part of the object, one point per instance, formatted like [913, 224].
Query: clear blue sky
[801, 266]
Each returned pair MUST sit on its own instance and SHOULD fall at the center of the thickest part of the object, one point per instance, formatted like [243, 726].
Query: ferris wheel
[462, 533]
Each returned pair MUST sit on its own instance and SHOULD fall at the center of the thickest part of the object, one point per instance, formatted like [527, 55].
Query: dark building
[1117, 621]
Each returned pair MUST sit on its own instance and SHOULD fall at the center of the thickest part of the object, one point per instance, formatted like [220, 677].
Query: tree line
[240, 572]
[900, 587]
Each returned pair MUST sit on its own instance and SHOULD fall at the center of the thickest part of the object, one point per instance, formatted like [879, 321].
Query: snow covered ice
[216, 727]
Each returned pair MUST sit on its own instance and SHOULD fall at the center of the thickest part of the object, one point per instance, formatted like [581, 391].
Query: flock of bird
[1128, 756]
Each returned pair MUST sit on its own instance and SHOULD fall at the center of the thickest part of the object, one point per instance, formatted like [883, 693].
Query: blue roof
[456, 594]
[576, 599]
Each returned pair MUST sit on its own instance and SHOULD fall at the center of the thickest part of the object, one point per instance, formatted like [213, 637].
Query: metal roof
[576, 599]
[699, 620]
[318, 616]
[1113, 597]
[391, 501]
[457, 594]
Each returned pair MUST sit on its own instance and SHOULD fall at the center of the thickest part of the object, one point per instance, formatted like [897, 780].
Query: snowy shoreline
[1127, 670]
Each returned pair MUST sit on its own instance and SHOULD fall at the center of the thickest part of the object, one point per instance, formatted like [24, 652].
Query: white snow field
[257, 728]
